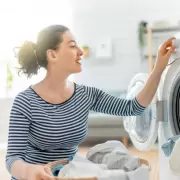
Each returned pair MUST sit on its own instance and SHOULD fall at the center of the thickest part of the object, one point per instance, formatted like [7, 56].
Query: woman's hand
[164, 52]
[38, 172]
[147, 93]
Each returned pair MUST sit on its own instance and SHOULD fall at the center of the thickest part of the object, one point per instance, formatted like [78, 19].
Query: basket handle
[87, 178]
[145, 162]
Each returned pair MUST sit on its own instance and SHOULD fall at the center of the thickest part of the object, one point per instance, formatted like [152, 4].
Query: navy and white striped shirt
[40, 132]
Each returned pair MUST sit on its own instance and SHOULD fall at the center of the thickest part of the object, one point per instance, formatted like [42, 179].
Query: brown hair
[32, 56]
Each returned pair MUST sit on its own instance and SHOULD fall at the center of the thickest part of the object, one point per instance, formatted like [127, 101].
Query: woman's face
[67, 56]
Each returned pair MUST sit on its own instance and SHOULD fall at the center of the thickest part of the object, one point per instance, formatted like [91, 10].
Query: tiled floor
[151, 156]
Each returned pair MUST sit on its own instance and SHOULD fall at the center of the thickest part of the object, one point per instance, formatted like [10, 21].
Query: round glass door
[142, 129]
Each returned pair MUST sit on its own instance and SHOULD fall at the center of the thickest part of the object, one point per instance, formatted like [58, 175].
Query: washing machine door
[142, 129]
[170, 93]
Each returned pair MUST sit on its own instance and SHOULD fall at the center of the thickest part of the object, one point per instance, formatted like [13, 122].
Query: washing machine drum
[174, 106]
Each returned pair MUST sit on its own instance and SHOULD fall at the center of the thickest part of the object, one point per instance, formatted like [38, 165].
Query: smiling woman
[23, 20]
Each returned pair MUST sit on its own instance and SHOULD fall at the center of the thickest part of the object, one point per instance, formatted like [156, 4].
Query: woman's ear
[51, 55]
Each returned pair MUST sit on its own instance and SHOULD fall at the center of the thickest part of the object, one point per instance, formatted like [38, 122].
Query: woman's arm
[146, 95]
[19, 169]
[105, 103]
[18, 136]
[102, 102]
[19, 125]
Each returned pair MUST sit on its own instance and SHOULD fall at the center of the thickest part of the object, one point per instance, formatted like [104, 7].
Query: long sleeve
[108, 104]
[20, 117]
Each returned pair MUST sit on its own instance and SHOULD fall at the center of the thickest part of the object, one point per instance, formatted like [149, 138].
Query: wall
[118, 20]
[26, 28]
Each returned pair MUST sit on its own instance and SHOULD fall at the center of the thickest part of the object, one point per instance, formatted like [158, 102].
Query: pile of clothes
[114, 155]
[109, 160]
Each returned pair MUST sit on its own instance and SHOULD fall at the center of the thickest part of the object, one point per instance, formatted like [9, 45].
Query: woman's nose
[80, 52]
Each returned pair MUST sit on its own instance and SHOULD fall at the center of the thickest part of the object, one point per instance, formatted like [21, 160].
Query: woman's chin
[78, 69]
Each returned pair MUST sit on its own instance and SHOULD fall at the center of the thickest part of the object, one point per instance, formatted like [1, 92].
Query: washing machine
[161, 119]
[168, 113]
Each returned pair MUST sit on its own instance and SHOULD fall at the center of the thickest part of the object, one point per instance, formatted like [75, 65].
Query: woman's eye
[73, 45]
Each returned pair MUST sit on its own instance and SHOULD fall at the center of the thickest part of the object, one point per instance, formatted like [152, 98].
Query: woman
[49, 119]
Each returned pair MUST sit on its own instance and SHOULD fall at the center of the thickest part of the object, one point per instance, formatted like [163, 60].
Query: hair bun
[28, 59]
[30, 43]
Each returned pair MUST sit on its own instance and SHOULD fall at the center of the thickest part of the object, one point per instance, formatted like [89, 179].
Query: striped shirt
[40, 132]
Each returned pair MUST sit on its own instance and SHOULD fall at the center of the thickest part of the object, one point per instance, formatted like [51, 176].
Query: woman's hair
[32, 56]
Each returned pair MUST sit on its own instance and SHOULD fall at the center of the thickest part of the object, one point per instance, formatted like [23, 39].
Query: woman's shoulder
[89, 90]
[22, 104]
[23, 96]
[86, 87]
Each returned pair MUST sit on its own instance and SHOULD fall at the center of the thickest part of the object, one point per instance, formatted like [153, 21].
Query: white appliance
[161, 119]
[168, 115]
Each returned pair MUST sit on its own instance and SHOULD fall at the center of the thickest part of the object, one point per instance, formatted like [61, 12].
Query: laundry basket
[52, 165]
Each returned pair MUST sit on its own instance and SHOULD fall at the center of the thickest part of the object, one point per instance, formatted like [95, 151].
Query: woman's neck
[56, 83]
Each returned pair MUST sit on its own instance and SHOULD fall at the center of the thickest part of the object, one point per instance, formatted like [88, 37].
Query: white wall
[22, 21]
[5, 107]
[117, 19]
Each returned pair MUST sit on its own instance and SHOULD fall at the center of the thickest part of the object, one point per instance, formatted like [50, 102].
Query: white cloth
[141, 173]
[117, 160]
[81, 167]
[174, 159]
[112, 161]
[108, 146]
[115, 155]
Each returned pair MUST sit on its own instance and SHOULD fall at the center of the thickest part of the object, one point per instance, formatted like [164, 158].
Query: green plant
[9, 78]
[141, 30]
[85, 47]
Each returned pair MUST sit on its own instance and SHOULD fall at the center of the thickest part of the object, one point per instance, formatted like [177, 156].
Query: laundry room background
[97, 21]
[116, 47]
